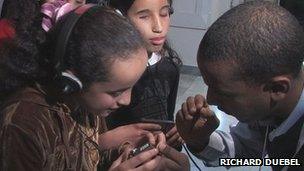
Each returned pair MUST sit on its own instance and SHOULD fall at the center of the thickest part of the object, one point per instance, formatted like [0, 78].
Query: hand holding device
[146, 161]
[169, 128]
[133, 133]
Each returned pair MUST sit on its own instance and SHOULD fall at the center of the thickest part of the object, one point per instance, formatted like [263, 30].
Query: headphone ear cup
[68, 83]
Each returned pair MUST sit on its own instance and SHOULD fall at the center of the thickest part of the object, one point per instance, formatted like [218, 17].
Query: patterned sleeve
[107, 157]
[19, 150]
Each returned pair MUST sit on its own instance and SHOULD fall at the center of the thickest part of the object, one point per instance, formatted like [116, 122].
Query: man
[251, 59]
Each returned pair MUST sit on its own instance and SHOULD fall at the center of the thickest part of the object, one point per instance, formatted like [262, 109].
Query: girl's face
[104, 97]
[151, 17]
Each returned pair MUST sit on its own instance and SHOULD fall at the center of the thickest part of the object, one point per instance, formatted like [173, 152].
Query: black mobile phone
[166, 125]
[138, 150]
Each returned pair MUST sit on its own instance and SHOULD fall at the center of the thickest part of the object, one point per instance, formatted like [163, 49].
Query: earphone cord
[89, 139]
[162, 105]
[264, 145]
[189, 155]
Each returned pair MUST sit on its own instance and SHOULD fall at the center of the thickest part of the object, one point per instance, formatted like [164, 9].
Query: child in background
[154, 95]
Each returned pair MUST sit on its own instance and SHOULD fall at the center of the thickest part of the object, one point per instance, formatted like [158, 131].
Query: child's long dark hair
[19, 56]
[125, 5]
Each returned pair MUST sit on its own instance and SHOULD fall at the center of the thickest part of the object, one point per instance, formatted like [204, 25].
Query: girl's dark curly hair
[125, 5]
[18, 57]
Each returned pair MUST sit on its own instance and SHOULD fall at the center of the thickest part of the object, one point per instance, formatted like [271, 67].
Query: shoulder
[26, 110]
[23, 128]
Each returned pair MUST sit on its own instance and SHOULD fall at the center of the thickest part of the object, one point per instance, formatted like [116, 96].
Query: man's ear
[278, 87]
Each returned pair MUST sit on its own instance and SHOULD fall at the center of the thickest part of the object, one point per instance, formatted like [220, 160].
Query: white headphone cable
[264, 145]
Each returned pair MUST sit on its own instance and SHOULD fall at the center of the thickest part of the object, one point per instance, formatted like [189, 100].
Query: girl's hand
[145, 161]
[133, 133]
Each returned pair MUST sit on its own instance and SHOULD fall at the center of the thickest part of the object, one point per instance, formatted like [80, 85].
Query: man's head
[251, 58]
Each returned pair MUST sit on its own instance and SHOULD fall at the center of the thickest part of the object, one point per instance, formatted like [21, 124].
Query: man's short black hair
[263, 39]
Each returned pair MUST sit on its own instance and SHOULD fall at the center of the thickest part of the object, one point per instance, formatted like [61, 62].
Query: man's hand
[172, 160]
[174, 139]
[134, 134]
[195, 122]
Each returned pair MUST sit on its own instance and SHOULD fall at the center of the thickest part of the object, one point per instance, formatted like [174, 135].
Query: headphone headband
[65, 33]
[67, 82]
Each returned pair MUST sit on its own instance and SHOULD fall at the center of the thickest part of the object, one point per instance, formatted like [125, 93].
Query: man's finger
[171, 132]
[212, 123]
[176, 145]
[180, 140]
[182, 124]
[199, 101]
[179, 117]
[191, 105]
[173, 139]
[186, 113]
[171, 153]
[206, 112]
